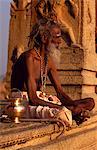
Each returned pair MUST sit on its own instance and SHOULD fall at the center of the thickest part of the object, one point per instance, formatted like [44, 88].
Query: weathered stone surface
[77, 138]
[72, 90]
[71, 58]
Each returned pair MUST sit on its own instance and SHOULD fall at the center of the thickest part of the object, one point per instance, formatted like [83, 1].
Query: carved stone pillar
[17, 31]
[88, 42]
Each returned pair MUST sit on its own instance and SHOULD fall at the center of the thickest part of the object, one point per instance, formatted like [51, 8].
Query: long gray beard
[55, 54]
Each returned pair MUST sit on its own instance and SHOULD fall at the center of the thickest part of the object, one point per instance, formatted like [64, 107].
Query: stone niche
[77, 68]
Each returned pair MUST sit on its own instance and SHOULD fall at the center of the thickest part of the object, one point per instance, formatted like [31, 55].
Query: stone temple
[77, 70]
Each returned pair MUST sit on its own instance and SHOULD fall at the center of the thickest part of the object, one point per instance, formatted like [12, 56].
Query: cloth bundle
[44, 112]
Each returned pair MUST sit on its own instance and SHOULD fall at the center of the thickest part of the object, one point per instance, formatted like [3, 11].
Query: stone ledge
[78, 138]
[83, 137]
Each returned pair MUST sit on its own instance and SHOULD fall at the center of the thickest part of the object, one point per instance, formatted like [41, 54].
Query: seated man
[32, 68]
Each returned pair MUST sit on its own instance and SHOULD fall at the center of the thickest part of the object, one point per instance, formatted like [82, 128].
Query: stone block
[73, 91]
[71, 58]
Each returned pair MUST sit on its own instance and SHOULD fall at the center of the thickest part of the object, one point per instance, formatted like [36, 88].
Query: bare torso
[19, 74]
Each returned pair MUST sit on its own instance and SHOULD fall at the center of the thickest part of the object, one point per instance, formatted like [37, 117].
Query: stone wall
[69, 70]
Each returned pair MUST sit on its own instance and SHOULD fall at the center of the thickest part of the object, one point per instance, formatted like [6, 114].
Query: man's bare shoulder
[30, 54]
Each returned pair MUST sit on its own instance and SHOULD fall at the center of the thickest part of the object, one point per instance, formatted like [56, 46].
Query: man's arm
[32, 87]
[53, 76]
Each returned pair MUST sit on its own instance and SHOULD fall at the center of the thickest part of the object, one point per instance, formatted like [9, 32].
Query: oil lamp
[19, 109]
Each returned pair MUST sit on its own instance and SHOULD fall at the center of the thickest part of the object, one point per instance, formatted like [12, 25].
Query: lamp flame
[18, 109]
[17, 103]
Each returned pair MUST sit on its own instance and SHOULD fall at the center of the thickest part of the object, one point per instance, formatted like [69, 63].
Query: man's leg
[82, 105]
[87, 103]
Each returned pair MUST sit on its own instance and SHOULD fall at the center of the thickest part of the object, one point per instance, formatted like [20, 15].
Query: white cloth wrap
[44, 112]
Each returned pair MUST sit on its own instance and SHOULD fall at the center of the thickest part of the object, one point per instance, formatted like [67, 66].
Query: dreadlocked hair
[34, 37]
[42, 28]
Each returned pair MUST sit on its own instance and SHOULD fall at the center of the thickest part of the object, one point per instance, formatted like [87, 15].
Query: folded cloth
[44, 112]
[66, 115]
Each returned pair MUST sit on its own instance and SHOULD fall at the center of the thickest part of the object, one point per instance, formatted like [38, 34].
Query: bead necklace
[43, 68]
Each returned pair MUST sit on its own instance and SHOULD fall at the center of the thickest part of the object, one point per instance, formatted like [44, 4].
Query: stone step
[83, 137]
